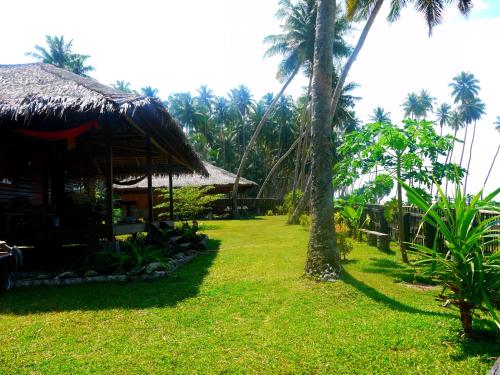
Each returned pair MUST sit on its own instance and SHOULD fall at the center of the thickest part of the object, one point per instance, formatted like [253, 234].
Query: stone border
[173, 265]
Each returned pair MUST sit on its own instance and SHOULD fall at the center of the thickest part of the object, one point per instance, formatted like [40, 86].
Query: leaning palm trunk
[359, 45]
[470, 157]
[465, 143]
[302, 143]
[254, 138]
[277, 164]
[449, 157]
[323, 257]
[301, 205]
[491, 167]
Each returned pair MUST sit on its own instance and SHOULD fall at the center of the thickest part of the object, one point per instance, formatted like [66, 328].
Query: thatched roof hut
[43, 97]
[61, 135]
[221, 179]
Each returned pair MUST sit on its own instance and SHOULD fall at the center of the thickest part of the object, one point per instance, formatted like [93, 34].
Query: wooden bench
[380, 240]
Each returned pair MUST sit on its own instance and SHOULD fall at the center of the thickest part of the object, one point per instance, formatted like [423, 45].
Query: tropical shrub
[287, 201]
[354, 220]
[305, 220]
[341, 233]
[189, 201]
[390, 209]
[468, 272]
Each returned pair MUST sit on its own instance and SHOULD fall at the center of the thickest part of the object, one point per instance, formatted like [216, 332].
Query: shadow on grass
[485, 344]
[396, 270]
[105, 296]
[389, 302]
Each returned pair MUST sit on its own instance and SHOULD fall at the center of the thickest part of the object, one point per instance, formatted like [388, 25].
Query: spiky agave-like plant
[468, 271]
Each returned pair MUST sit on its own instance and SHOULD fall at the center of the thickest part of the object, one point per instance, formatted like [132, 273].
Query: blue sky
[180, 45]
[492, 10]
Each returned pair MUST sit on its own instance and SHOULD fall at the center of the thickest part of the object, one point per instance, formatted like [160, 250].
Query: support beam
[170, 188]
[109, 177]
[150, 178]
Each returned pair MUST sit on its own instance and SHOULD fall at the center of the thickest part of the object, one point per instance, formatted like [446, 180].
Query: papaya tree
[408, 153]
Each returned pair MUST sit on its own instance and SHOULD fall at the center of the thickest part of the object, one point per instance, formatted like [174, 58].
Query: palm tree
[497, 127]
[443, 114]
[416, 106]
[205, 98]
[426, 103]
[183, 107]
[149, 92]
[464, 87]
[59, 53]
[380, 115]
[411, 106]
[122, 86]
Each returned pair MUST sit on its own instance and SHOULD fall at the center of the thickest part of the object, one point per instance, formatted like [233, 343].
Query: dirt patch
[424, 287]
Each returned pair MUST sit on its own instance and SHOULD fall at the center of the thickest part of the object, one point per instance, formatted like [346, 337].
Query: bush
[305, 220]
[341, 233]
[287, 202]
[344, 245]
[189, 201]
[353, 218]
[466, 270]
[269, 213]
[390, 209]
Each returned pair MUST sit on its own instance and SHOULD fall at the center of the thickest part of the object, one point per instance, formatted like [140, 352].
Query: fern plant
[469, 266]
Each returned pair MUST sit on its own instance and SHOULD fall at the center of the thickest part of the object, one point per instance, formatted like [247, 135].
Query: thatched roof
[218, 177]
[42, 96]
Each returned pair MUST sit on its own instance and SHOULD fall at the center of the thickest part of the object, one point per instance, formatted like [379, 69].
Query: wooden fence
[416, 230]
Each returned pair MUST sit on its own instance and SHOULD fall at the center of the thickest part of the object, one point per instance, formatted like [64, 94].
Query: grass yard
[243, 309]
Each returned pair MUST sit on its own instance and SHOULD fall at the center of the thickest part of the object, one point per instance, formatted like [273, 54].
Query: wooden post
[109, 178]
[150, 178]
[170, 188]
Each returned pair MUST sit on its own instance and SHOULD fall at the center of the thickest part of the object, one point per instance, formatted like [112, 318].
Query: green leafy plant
[305, 220]
[287, 201]
[354, 218]
[468, 272]
[344, 245]
[189, 201]
[390, 209]
[269, 213]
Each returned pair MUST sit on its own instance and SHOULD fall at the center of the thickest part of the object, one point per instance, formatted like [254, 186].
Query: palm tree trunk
[254, 138]
[322, 254]
[465, 143]
[491, 167]
[470, 156]
[301, 205]
[301, 144]
[449, 157]
[276, 165]
[466, 318]
[352, 58]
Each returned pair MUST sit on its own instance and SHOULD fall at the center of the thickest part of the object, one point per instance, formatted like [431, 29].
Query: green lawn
[242, 309]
